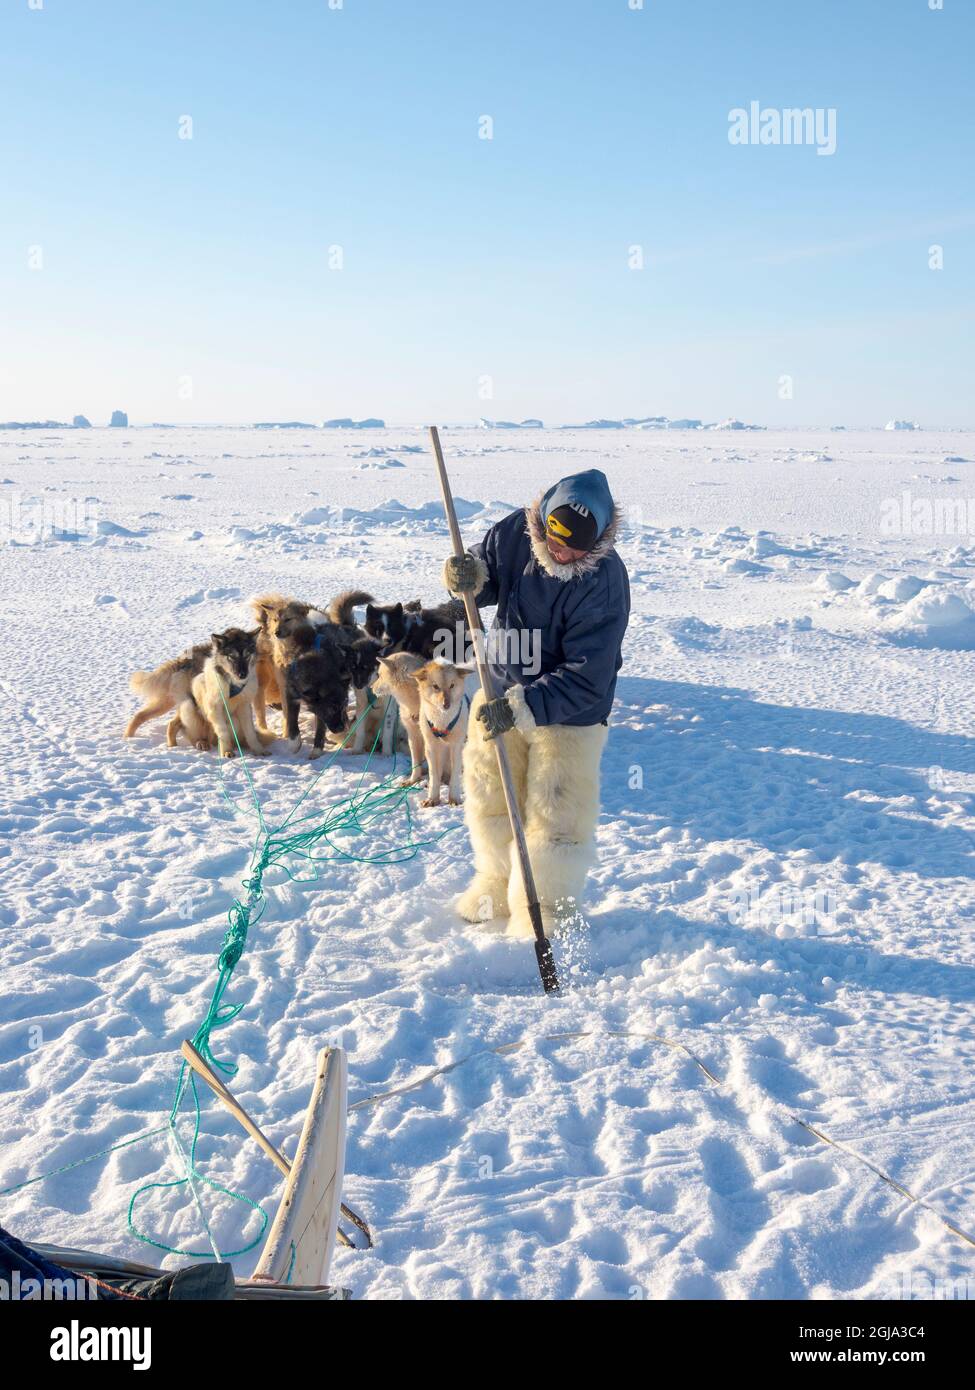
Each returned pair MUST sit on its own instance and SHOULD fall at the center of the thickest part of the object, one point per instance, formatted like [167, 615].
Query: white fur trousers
[556, 776]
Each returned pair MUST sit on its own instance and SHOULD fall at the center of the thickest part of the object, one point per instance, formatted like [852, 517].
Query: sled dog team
[301, 656]
[550, 568]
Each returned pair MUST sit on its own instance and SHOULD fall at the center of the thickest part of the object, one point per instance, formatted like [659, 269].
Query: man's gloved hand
[461, 574]
[498, 717]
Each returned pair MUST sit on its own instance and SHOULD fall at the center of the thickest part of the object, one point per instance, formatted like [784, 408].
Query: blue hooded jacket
[558, 629]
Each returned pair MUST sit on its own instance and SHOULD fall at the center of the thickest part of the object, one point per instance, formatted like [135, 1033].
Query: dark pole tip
[546, 966]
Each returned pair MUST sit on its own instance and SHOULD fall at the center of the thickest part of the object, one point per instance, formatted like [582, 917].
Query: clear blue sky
[166, 259]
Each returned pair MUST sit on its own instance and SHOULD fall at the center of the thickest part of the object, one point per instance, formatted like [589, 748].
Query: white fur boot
[561, 811]
[486, 814]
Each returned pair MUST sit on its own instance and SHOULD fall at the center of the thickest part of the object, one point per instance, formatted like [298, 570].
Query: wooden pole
[233, 1105]
[200, 1066]
[543, 947]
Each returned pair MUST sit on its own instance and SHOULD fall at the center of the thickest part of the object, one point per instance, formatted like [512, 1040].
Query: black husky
[426, 632]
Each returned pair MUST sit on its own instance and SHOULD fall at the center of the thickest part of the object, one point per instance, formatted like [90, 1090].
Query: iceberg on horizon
[530, 424]
[283, 425]
[597, 425]
[346, 423]
[33, 425]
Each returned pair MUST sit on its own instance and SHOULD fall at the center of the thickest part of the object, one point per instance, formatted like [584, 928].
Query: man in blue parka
[563, 601]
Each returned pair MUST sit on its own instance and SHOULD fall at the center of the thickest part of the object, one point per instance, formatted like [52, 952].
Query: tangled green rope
[312, 841]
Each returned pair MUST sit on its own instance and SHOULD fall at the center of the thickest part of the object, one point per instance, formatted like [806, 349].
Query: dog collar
[234, 690]
[442, 733]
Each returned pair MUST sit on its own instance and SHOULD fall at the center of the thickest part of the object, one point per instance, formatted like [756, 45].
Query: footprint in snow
[110, 604]
[202, 595]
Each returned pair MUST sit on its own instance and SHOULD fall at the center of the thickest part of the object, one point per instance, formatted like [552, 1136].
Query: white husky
[443, 723]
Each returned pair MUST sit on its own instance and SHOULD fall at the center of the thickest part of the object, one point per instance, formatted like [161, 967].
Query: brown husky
[277, 619]
[290, 634]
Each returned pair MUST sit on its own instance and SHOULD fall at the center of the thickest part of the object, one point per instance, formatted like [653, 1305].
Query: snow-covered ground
[784, 885]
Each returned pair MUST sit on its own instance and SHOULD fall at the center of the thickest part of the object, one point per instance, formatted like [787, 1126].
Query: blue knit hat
[577, 510]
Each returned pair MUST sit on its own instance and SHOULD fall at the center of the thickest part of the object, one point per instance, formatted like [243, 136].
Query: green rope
[313, 842]
[352, 815]
[89, 1158]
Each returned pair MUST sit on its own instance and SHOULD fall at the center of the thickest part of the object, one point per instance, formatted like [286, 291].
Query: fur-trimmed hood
[535, 529]
[567, 636]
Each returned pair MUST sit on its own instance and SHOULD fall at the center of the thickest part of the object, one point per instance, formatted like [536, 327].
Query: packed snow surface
[784, 884]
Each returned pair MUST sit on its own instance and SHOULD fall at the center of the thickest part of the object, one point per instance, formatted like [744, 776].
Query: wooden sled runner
[299, 1247]
[302, 1236]
[295, 1260]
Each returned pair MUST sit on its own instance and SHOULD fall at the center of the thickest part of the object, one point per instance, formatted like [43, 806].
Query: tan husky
[397, 678]
[443, 724]
[166, 688]
[191, 683]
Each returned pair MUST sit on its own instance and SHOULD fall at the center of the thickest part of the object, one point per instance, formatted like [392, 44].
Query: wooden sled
[86, 1262]
[299, 1246]
[298, 1250]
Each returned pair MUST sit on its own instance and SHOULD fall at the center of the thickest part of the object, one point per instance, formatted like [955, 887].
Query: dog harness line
[442, 733]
